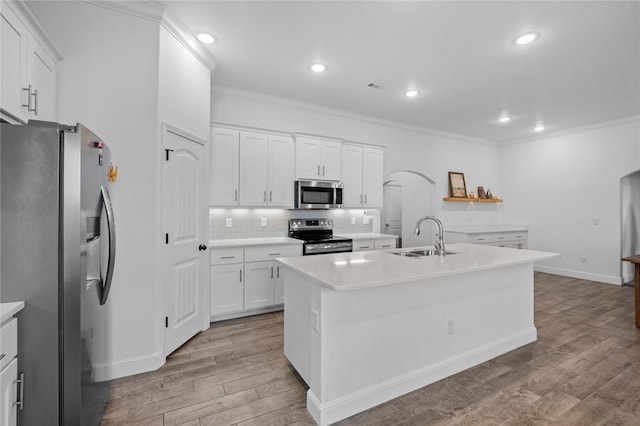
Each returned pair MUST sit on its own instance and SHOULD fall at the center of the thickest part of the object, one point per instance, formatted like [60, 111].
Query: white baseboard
[247, 313]
[131, 366]
[607, 279]
[333, 411]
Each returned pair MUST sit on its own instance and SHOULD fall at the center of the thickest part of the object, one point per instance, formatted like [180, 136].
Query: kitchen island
[363, 328]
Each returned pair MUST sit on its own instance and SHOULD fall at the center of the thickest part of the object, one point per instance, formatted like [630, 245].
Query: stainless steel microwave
[318, 194]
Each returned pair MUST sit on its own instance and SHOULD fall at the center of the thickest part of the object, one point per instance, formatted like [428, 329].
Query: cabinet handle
[240, 275]
[227, 257]
[318, 169]
[386, 245]
[275, 254]
[264, 196]
[365, 198]
[235, 196]
[20, 383]
[272, 272]
[277, 272]
[360, 198]
[322, 171]
[35, 101]
[364, 247]
[2, 356]
[270, 196]
[28, 104]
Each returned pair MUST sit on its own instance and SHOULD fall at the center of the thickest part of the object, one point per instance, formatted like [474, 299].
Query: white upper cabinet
[318, 159]
[362, 175]
[28, 68]
[225, 154]
[281, 171]
[251, 169]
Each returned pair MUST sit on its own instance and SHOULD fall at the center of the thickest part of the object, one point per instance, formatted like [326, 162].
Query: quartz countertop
[481, 229]
[9, 309]
[366, 236]
[359, 270]
[246, 242]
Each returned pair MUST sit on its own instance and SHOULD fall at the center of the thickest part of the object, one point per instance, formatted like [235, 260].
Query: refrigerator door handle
[106, 286]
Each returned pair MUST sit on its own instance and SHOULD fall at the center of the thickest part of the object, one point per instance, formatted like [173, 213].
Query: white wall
[560, 184]
[407, 148]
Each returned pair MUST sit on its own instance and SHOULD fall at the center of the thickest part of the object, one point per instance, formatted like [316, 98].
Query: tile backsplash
[248, 223]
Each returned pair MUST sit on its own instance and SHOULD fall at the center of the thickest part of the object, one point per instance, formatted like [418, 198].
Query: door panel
[185, 223]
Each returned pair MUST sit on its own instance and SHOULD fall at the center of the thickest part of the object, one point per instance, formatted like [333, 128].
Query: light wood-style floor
[583, 370]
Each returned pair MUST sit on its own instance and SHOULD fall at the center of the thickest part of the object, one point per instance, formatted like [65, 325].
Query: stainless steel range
[318, 237]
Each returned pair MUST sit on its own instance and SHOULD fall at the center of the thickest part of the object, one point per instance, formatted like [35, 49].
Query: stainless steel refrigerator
[57, 236]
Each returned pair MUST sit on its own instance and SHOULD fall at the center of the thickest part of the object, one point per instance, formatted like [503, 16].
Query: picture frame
[481, 194]
[457, 185]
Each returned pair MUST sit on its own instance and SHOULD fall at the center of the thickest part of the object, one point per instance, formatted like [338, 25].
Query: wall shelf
[473, 200]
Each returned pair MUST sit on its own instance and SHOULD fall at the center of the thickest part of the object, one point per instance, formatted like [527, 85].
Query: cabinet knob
[202, 247]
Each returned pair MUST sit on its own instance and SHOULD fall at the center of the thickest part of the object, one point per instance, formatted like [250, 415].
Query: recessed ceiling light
[206, 38]
[318, 68]
[538, 128]
[504, 119]
[411, 93]
[526, 38]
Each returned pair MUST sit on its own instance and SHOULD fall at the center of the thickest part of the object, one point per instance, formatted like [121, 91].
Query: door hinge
[166, 152]
[166, 238]
[166, 322]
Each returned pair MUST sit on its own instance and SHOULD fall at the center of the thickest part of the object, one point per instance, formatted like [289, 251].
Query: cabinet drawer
[363, 245]
[386, 243]
[481, 238]
[226, 256]
[262, 253]
[8, 342]
[519, 236]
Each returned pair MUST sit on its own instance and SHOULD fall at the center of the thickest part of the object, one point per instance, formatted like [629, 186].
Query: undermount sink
[419, 253]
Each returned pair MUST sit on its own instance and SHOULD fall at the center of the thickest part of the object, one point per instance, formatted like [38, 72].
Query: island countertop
[358, 270]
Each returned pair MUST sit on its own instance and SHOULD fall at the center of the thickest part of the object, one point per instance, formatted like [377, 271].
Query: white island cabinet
[364, 328]
[499, 235]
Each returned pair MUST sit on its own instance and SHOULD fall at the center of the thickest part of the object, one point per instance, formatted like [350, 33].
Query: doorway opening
[629, 222]
[408, 196]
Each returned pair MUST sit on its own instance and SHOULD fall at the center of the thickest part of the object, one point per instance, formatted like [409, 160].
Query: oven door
[309, 249]
[313, 194]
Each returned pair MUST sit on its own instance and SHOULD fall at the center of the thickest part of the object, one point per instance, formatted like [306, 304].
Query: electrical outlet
[263, 222]
[229, 222]
[583, 259]
[365, 220]
[450, 328]
[353, 220]
[596, 221]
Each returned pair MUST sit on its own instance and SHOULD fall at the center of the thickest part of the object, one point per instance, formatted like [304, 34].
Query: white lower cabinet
[247, 279]
[258, 285]
[510, 239]
[227, 289]
[8, 394]
[374, 244]
[363, 245]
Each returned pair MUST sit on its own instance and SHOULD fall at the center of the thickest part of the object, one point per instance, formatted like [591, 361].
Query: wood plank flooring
[583, 370]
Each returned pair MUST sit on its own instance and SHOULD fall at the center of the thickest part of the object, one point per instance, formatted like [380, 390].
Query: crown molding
[347, 114]
[157, 12]
[576, 129]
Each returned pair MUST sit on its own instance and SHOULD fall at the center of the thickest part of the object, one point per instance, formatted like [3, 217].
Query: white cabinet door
[352, 176]
[308, 158]
[227, 290]
[258, 285]
[41, 74]
[8, 394]
[281, 171]
[372, 171]
[331, 160]
[253, 169]
[13, 78]
[224, 163]
[278, 286]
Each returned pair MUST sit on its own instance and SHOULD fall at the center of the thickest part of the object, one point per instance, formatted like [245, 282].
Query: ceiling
[584, 68]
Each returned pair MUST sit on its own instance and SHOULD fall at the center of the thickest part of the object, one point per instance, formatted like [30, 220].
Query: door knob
[202, 247]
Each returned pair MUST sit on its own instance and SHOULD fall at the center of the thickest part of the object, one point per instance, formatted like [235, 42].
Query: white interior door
[185, 219]
[392, 220]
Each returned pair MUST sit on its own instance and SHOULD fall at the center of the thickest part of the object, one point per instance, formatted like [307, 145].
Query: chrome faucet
[439, 244]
